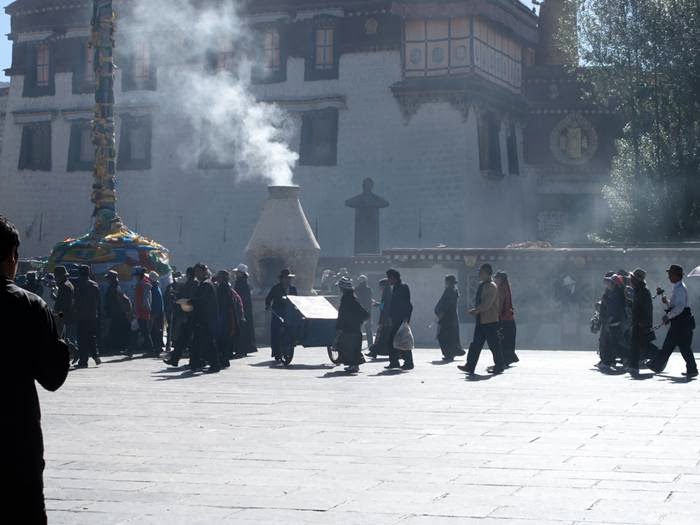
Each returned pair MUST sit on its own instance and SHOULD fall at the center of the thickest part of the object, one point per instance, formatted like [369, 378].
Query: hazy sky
[6, 48]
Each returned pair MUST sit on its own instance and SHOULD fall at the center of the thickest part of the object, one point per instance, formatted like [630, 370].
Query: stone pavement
[549, 442]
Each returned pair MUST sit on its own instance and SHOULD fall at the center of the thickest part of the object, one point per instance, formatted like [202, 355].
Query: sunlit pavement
[551, 441]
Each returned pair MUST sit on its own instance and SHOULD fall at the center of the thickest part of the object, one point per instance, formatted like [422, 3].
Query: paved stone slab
[551, 441]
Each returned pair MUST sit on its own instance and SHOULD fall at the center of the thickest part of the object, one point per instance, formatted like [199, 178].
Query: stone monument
[367, 206]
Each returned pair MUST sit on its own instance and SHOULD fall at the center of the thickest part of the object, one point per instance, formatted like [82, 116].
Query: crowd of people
[624, 321]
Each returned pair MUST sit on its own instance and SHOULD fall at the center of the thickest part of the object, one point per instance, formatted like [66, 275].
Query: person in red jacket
[142, 308]
[506, 318]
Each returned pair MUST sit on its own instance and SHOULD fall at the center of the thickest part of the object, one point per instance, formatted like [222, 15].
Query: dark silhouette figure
[246, 339]
[206, 316]
[87, 317]
[400, 311]
[448, 321]
[29, 338]
[351, 317]
[367, 206]
[275, 302]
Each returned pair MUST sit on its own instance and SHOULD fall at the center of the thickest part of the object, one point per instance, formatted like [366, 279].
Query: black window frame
[307, 156]
[75, 163]
[489, 135]
[30, 139]
[81, 83]
[31, 88]
[512, 151]
[128, 124]
[128, 74]
[311, 72]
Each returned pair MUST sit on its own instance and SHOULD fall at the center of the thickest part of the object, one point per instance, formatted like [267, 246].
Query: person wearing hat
[230, 318]
[182, 319]
[246, 339]
[206, 316]
[87, 317]
[682, 324]
[33, 284]
[506, 318]
[63, 305]
[382, 343]
[118, 311]
[364, 294]
[613, 314]
[448, 321]
[642, 319]
[486, 328]
[275, 301]
[157, 313]
[400, 311]
[142, 308]
[169, 305]
[351, 317]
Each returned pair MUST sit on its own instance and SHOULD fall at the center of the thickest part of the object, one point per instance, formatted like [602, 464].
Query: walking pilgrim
[351, 316]
[246, 339]
[486, 310]
[448, 321]
[400, 311]
[275, 302]
[681, 326]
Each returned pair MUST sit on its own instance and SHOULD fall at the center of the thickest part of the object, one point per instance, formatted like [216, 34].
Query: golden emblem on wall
[573, 140]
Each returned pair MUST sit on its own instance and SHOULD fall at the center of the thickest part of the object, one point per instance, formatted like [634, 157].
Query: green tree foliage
[642, 60]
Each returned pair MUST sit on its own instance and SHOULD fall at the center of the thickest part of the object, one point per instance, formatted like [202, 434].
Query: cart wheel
[288, 356]
[334, 355]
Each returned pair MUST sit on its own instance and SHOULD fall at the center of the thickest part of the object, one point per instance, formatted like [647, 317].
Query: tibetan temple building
[466, 115]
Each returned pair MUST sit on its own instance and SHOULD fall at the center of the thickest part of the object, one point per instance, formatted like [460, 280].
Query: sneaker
[98, 361]
[493, 370]
[407, 367]
[634, 372]
[603, 367]
[465, 368]
[352, 369]
[693, 373]
[81, 365]
[392, 366]
[448, 358]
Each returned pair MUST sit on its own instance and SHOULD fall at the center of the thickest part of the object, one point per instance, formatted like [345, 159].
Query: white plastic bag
[403, 340]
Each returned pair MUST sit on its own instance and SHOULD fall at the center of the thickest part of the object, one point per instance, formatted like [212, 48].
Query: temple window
[271, 48]
[135, 143]
[224, 56]
[489, 143]
[139, 72]
[42, 66]
[212, 152]
[35, 151]
[38, 79]
[512, 146]
[319, 138]
[498, 57]
[324, 49]
[436, 47]
[322, 61]
[81, 152]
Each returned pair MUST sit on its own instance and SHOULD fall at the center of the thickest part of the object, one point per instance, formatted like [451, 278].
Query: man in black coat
[206, 315]
[275, 302]
[642, 319]
[246, 339]
[117, 310]
[34, 352]
[87, 317]
[364, 295]
[400, 311]
[448, 321]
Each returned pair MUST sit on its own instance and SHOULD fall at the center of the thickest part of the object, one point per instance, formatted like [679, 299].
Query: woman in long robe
[448, 321]
[351, 316]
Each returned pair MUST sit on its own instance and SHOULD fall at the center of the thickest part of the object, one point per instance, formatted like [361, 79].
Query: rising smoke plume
[188, 40]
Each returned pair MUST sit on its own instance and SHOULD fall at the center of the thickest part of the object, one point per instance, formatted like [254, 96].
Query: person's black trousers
[204, 347]
[485, 333]
[183, 341]
[612, 345]
[508, 333]
[680, 334]
[87, 340]
[145, 331]
[394, 354]
[119, 333]
[638, 344]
